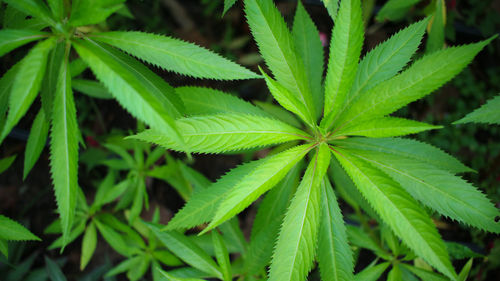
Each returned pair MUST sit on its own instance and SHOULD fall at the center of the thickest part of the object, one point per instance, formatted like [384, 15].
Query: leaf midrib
[186, 58]
[424, 183]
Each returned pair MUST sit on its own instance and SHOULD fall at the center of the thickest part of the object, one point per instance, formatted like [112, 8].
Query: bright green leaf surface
[277, 48]
[13, 231]
[86, 12]
[26, 84]
[34, 8]
[405, 217]
[488, 113]
[36, 141]
[296, 246]
[345, 50]
[334, 253]
[11, 39]
[225, 132]
[89, 244]
[384, 127]
[261, 179]
[176, 55]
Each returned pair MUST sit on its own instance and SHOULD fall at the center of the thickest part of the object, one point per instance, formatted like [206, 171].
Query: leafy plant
[62, 28]
[488, 113]
[345, 116]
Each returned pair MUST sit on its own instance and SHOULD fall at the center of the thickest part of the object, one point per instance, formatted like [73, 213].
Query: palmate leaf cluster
[348, 130]
[59, 30]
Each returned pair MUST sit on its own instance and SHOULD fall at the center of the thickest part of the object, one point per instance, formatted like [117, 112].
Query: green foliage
[13, 231]
[488, 113]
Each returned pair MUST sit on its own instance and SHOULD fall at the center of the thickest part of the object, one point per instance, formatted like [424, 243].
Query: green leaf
[277, 48]
[76, 231]
[387, 59]
[36, 141]
[57, 8]
[227, 5]
[186, 250]
[35, 8]
[435, 41]
[267, 223]
[6, 162]
[222, 256]
[11, 39]
[464, 273]
[488, 113]
[384, 127]
[53, 270]
[6, 83]
[13, 231]
[257, 182]
[225, 132]
[91, 88]
[64, 148]
[114, 239]
[4, 247]
[296, 246]
[395, 10]
[395, 273]
[86, 12]
[345, 50]
[125, 265]
[332, 7]
[89, 244]
[77, 67]
[26, 84]
[448, 194]
[288, 100]
[407, 148]
[425, 274]
[138, 89]
[278, 112]
[309, 48]
[420, 79]
[372, 273]
[334, 254]
[160, 275]
[202, 206]
[459, 251]
[207, 101]
[175, 55]
[49, 83]
[405, 217]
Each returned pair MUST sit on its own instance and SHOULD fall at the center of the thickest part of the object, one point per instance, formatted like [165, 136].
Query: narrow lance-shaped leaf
[136, 88]
[448, 194]
[6, 162]
[202, 206]
[309, 47]
[64, 148]
[35, 8]
[296, 246]
[345, 50]
[334, 253]
[53, 270]
[268, 220]
[332, 7]
[51, 76]
[384, 127]
[175, 55]
[261, 179]
[372, 273]
[277, 48]
[207, 101]
[395, 10]
[407, 148]
[36, 141]
[289, 100]
[89, 244]
[222, 256]
[13, 231]
[26, 84]
[186, 250]
[227, 5]
[91, 88]
[435, 41]
[225, 132]
[386, 60]
[6, 83]
[420, 79]
[396, 207]
[11, 39]
[488, 113]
